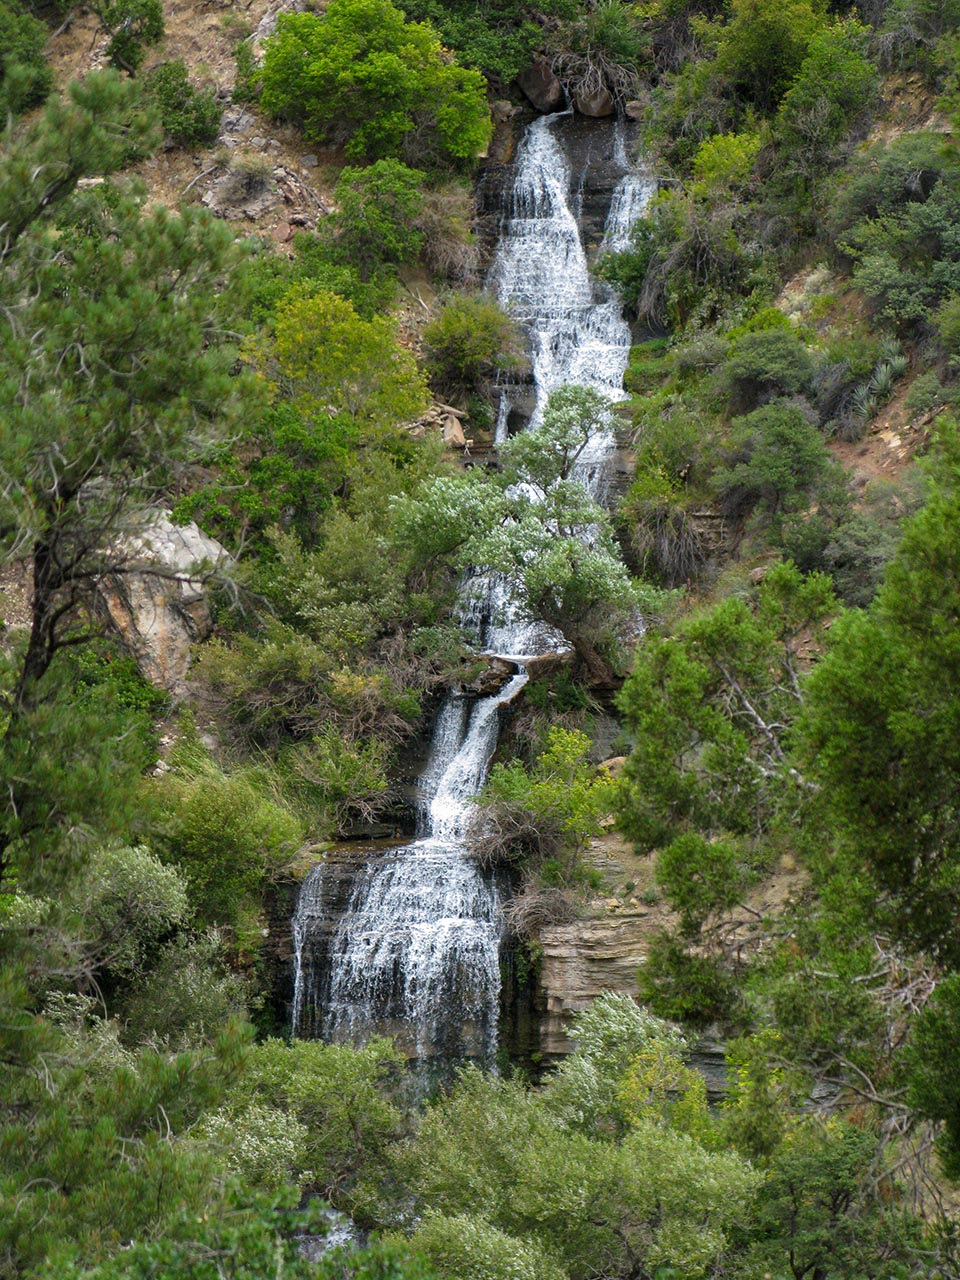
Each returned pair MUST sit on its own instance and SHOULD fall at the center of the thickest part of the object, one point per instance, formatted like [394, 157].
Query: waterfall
[416, 951]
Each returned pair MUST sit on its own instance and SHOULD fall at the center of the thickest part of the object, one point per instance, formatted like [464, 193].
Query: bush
[375, 222]
[362, 76]
[779, 457]
[764, 45]
[469, 343]
[764, 365]
[546, 812]
[25, 78]
[190, 116]
[224, 832]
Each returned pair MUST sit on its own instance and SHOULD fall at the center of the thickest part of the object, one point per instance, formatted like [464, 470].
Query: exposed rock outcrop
[158, 605]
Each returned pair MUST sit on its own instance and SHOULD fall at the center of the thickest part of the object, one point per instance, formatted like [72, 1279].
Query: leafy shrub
[340, 1100]
[133, 25]
[779, 457]
[471, 1249]
[699, 877]
[361, 75]
[894, 221]
[25, 78]
[223, 831]
[546, 812]
[128, 901]
[338, 784]
[686, 987]
[375, 222]
[604, 47]
[497, 39]
[190, 116]
[763, 47]
[187, 995]
[246, 84]
[468, 343]
[764, 365]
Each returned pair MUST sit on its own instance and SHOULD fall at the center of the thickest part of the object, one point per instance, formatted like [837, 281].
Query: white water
[416, 951]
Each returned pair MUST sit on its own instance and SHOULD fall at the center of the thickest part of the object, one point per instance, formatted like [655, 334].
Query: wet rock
[541, 87]
[496, 673]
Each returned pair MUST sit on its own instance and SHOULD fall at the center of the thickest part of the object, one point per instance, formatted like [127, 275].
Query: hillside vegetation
[793, 702]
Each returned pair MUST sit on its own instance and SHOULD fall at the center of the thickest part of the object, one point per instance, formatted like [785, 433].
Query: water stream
[415, 953]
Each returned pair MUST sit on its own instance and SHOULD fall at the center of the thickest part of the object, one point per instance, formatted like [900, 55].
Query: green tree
[835, 87]
[880, 726]
[777, 459]
[361, 75]
[468, 343]
[542, 817]
[763, 46]
[375, 220]
[25, 78]
[113, 367]
[712, 709]
[328, 361]
[190, 116]
[133, 25]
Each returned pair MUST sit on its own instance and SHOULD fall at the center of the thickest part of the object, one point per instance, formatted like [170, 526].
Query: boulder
[453, 435]
[157, 605]
[595, 103]
[634, 109]
[541, 87]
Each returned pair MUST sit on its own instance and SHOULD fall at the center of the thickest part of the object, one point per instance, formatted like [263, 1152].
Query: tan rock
[453, 435]
[596, 104]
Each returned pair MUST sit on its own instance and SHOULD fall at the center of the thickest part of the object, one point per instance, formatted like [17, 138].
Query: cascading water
[415, 953]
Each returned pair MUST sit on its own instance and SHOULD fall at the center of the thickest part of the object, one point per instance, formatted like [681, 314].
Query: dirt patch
[15, 595]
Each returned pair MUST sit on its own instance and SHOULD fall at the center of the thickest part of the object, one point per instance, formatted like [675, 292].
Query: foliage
[25, 78]
[361, 75]
[834, 88]
[932, 1069]
[879, 725]
[224, 833]
[763, 47]
[699, 877]
[468, 343]
[96, 1148]
[329, 361]
[656, 1199]
[498, 39]
[190, 116]
[375, 220]
[711, 708]
[587, 1089]
[542, 817]
[764, 365]
[125, 373]
[777, 458]
[128, 901]
[339, 1099]
[603, 47]
[895, 223]
[133, 25]
[556, 548]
